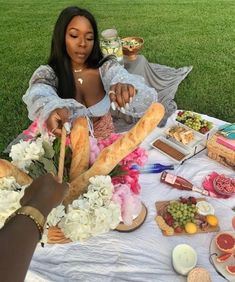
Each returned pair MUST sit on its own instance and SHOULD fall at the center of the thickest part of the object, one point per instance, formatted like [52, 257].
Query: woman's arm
[112, 73]
[20, 235]
[41, 97]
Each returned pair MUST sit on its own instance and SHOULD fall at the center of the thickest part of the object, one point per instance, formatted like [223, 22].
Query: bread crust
[80, 146]
[8, 169]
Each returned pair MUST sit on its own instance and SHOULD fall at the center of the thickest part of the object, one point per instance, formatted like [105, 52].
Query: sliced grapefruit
[225, 242]
[223, 257]
[231, 269]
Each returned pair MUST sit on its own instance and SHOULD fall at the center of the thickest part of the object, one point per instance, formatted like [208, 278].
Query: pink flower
[94, 150]
[129, 203]
[131, 178]
[34, 129]
[68, 141]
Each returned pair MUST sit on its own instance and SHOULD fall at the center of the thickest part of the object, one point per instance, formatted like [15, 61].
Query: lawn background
[177, 33]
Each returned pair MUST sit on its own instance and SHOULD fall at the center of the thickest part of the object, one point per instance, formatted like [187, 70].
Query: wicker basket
[220, 153]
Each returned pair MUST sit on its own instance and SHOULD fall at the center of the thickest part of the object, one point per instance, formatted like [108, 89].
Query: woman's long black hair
[59, 59]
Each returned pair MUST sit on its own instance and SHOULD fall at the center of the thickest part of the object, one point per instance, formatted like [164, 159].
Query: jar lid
[109, 33]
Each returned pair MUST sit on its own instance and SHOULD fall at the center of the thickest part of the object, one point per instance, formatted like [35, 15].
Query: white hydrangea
[55, 215]
[9, 202]
[24, 152]
[9, 183]
[92, 213]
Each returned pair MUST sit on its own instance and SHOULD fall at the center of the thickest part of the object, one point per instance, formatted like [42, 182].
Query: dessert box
[176, 152]
[162, 211]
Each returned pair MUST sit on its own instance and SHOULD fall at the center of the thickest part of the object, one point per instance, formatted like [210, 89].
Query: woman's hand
[56, 120]
[44, 193]
[121, 95]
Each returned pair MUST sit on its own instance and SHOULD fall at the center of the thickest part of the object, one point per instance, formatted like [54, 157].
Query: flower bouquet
[104, 188]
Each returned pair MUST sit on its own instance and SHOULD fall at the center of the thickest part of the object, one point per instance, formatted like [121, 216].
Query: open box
[175, 132]
[172, 150]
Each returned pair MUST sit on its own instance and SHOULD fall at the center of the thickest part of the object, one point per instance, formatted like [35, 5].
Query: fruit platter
[186, 216]
[194, 121]
[222, 253]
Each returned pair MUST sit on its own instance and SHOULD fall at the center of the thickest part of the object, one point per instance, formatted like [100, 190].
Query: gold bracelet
[33, 214]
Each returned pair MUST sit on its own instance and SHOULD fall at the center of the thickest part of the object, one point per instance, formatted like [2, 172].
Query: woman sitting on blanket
[79, 81]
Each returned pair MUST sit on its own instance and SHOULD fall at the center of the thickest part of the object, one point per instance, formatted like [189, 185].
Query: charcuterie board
[181, 217]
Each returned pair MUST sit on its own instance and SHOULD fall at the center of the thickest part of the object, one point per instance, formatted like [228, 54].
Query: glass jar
[111, 44]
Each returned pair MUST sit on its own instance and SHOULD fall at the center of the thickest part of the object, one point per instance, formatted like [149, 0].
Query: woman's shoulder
[44, 74]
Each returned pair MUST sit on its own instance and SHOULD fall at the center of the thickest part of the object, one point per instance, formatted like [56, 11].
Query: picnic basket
[220, 153]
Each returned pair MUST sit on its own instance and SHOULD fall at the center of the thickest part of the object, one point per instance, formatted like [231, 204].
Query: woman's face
[79, 40]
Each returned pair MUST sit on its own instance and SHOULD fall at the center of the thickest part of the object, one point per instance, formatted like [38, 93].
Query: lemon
[190, 228]
[212, 220]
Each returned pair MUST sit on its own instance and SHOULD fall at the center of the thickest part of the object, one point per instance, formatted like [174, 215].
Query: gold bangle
[33, 214]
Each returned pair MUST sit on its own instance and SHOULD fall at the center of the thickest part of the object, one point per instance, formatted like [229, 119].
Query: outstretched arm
[20, 235]
[124, 86]
[43, 101]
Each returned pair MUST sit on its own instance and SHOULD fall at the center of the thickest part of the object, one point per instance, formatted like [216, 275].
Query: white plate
[179, 148]
[220, 266]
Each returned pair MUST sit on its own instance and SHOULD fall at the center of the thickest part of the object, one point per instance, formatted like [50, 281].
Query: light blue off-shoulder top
[41, 97]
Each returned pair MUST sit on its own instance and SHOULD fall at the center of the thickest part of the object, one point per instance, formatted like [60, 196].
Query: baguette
[80, 147]
[8, 169]
[112, 155]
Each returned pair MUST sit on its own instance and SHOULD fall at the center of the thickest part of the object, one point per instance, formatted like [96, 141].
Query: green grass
[176, 32]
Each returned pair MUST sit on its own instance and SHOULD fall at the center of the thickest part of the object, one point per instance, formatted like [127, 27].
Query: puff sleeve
[112, 72]
[41, 97]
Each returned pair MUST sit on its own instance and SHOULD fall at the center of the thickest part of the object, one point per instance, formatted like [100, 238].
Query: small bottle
[180, 183]
[152, 168]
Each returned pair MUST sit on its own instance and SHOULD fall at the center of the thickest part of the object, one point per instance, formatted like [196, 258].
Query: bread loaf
[8, 169]
[80, 147]
[112, 155]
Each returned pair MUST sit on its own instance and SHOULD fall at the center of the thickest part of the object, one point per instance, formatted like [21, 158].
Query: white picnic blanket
[144, 254]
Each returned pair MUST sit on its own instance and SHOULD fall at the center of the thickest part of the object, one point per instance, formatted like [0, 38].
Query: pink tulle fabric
[130, 204]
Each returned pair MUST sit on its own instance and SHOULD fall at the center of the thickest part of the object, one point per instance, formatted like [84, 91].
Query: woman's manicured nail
[123, 110]
[113, 106]
[131, 99]
[127, 106]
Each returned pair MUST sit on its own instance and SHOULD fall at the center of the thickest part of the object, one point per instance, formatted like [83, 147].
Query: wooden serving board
[161, 206]
[137, 222]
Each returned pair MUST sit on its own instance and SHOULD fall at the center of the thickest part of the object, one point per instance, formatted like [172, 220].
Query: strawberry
[204, 129]
[192, 200]
[180, 113]
[178, 229]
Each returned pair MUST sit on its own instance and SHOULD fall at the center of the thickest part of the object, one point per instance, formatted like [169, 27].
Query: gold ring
[112, 92]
